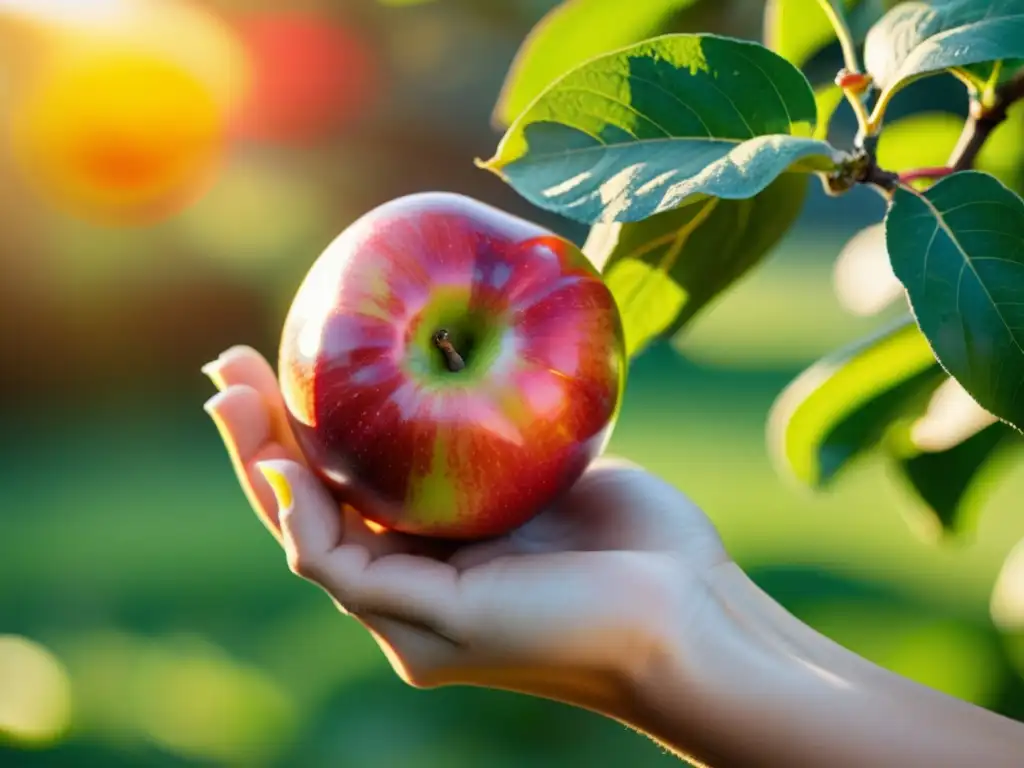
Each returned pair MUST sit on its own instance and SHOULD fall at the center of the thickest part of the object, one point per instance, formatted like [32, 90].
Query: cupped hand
[572, 606]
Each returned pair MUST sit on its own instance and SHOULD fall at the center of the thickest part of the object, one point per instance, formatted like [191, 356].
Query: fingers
[241, 413]
[416, 590]
[244, 365]
[311, 523]
[242, 420]
[250, 415]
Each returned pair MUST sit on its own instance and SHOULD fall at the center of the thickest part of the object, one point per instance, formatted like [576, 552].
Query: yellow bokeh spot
[282, 212]
[197, 702]
[183, 693]
[35, 695]
[120, 137]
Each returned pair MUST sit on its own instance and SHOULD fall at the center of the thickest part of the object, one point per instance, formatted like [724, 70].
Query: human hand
[575, 605]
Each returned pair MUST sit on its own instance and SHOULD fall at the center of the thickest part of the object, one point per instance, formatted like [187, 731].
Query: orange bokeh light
[119, 138]
[124, 122]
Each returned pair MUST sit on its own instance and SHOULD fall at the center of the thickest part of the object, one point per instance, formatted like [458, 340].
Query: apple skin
[382, 419]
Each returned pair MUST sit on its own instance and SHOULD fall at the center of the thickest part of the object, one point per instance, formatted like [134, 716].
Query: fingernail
[210, 406]
[278, 484]
[213, 371]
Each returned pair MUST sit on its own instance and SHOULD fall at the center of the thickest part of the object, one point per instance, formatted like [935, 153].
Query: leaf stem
[838, 21]
[988, 92]
[874, 123]
[967, 78]
[860, 110]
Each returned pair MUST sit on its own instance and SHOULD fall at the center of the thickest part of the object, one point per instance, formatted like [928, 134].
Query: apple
[450, 369]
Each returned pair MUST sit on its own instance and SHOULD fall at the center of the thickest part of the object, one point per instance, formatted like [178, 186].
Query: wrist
[721, 664]
[744, 682]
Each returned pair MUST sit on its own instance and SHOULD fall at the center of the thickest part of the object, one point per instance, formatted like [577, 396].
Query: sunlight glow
[952, 417]
[64, 11]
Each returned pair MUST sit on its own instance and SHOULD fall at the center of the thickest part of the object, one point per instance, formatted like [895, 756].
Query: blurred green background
[146, 619]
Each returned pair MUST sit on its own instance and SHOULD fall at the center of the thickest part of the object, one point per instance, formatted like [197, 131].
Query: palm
[564, 567]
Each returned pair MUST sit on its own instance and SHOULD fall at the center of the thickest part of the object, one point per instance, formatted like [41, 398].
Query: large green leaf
[842, 405]
[799, 29]
[919, 38]
[651, 127]
[958, 250]
[941, 455]
[944, 480]
[570, 34]
[665, 269]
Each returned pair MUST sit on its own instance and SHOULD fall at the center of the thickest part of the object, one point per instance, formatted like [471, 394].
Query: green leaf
[915, 39]
[940, 457]
[570, 34]
[799, 29]
[958, 250]
[943, 480]
[651, 127]
[665, 269]
[842, 405]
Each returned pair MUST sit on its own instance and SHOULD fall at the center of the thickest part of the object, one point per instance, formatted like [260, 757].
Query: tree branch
[878, 177]
[982, 121]
[979, 126]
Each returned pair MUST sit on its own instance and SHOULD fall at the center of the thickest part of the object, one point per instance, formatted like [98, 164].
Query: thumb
[401, 585]
[311, 522]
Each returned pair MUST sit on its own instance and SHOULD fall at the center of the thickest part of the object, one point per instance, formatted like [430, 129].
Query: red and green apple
[450, 369]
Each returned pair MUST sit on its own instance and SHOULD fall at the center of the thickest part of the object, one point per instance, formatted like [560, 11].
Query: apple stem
[454, 360]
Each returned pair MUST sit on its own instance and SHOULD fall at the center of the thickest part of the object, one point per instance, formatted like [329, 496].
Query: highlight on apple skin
[450, 369]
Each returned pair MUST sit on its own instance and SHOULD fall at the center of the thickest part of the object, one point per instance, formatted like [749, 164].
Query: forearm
[760, 688]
